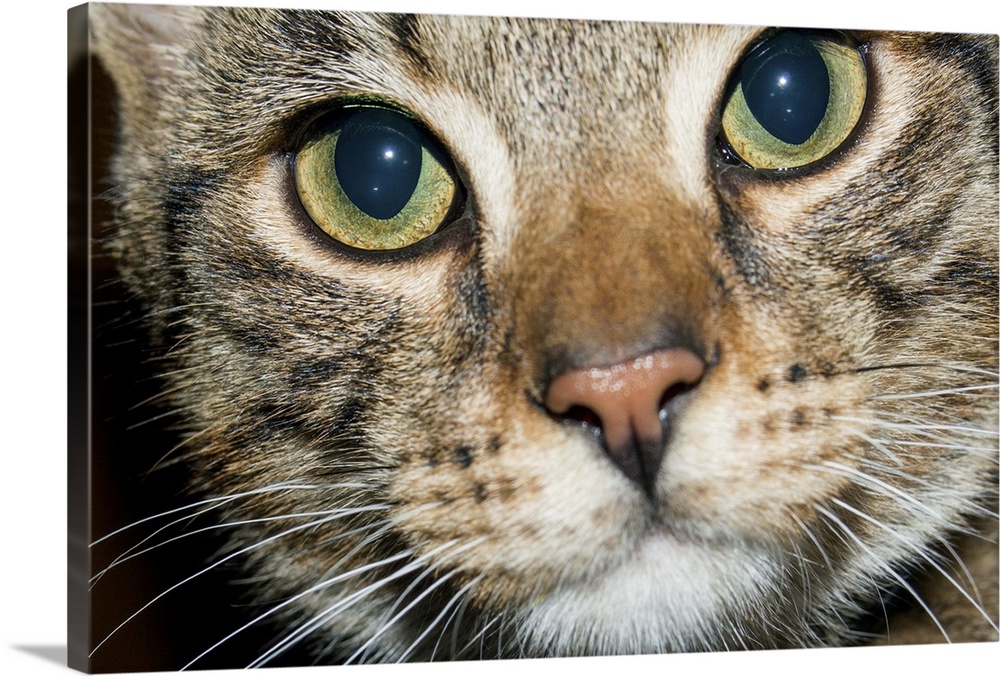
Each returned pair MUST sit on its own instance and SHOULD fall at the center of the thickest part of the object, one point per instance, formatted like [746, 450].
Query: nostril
[582, 415]
[627, 403]
[672, 393]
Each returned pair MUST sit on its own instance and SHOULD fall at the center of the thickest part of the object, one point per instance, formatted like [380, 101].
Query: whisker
[312, 590]
[872, 520]
[206, 569]
[846, 530]
[968, 504]
[965, 571]
[437, 564]
[480, 635]
[339, 512]
[934, 393]
[420, 597]
[812, 536]
[960, 368]
[886, 488]
[219, 499]
[914, 427]
[455, 620]
[454, 599]
[341, 605]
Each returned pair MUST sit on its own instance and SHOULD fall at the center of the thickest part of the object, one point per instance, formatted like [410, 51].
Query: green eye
[370, 178]
[795, 98]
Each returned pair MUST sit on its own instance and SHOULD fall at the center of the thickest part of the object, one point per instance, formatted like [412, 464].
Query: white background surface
[33, 348]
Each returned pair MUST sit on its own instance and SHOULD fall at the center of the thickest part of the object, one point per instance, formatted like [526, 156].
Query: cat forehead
[550, 89]
[586, 79]
[551, 59]
[540, 55]
[542, 72]
[556, 96]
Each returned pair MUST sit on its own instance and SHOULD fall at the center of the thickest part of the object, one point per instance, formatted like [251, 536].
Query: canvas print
[428, 337]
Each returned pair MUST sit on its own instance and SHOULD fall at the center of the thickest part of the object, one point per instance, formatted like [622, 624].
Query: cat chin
[670, 594]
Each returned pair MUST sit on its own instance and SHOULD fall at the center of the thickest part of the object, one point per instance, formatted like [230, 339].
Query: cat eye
[372, 179]
[794, 99]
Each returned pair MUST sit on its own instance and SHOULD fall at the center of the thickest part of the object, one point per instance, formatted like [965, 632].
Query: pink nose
[628, 402]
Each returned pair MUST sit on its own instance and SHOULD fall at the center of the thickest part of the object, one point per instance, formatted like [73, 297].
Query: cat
[498, 337]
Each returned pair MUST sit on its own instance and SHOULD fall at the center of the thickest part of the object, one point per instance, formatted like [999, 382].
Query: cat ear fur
[143, 28]
[144, 48]
[141, 42]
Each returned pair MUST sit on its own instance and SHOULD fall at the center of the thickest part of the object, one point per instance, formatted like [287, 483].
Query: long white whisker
[342, 604]
[928, 444]
[812, 536]
[224, 499]
[965, 570]
[934, 393]
[923, 428]
[312, 590]
[458, 595]
[340, 512]
[888, 489]
[969, 505]
[481, 636]
[437, 564]
[881, 447]
[453, 647]
[455, 621]
[206, 569]
[420, 597]
[885, 566]
[870, 519]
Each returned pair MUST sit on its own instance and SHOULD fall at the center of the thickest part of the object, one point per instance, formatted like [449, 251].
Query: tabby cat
[494, 337]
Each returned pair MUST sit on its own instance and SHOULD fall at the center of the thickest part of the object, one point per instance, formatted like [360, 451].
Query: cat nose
[628, 403]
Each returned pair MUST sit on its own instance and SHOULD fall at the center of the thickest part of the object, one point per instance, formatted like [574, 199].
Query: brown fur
[801, 481]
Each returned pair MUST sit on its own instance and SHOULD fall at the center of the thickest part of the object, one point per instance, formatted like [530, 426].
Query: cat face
[625, 378]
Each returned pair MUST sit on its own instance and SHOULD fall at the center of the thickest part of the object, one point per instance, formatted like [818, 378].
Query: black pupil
[786, 86]
[377, 161]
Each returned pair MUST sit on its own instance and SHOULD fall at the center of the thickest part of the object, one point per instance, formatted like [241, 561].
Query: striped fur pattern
[370, 427]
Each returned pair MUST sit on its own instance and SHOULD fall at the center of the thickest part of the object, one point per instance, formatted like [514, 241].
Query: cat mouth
[658, 542]
[660, 528]
[655, 596]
